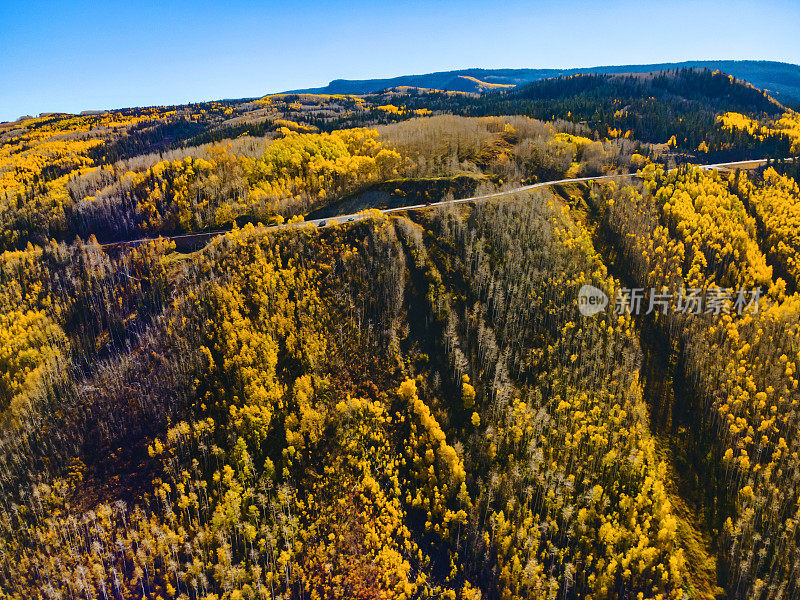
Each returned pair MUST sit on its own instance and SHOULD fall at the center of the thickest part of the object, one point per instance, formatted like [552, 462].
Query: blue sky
[75, 55]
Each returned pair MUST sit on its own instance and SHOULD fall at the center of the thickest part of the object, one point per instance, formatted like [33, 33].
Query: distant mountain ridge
[780, 80]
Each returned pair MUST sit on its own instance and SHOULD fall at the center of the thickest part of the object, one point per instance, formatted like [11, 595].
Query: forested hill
[129, 173]
[711, 88]
[682, 108]
[654, 106]
[408, 405]
[781, 80]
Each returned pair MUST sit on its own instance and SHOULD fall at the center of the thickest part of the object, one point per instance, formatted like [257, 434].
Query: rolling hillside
[409, 404]
[688, 110]
[781, 80]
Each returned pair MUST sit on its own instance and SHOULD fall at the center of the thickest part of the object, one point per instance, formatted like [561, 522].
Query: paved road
[327, 222]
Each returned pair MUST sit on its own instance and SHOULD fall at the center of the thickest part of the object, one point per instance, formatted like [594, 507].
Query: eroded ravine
[672, 413]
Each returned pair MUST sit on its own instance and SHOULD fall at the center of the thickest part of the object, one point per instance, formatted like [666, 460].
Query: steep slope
[385, 409]
[410, 406]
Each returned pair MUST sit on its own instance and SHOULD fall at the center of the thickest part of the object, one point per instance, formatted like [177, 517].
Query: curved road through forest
[327, 222]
